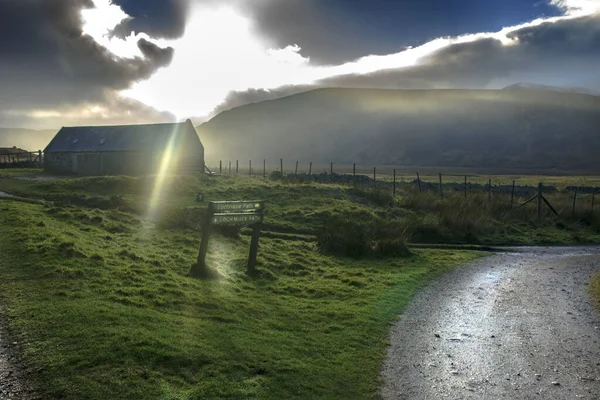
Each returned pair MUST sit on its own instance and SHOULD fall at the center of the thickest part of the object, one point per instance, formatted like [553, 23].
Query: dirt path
[13, 378]
[511, 326]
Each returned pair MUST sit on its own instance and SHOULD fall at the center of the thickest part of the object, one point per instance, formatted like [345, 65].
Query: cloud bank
[49, 63]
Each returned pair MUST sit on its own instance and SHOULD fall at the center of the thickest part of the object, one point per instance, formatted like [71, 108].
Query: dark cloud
[160, 57]
[157, 18]
[47, 62]
[328, 36]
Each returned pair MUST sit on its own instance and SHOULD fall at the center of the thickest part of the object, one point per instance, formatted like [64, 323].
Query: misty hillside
[28, 139]
[472, 128]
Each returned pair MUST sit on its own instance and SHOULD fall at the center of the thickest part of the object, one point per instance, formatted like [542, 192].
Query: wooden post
[199, 268]
[281, 165]
[441, 186]
[229, 167]
[250, 170]
[465, 186]
[253, 249]
[419, 182]
[220, 167]
[374, 177]
[512, 195]
[331, 169]
[394, 186]
[540, 198]
[489, 190]
[265, 168]
[310, 169]
[237, 166]
[296, 171]
[574, 201]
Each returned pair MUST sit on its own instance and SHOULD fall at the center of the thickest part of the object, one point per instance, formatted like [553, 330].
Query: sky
[87, 62]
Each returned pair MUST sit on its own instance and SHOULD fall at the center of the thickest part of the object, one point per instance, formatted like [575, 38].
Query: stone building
[126, 150]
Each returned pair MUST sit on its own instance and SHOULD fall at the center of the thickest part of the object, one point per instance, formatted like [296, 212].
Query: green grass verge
[595, 289]
[103, 308]
[301, 208]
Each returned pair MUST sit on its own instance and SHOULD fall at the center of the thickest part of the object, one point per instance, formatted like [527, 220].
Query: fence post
[310, 169]
[237, 166]
[264, 168]
[419, 182]
[250, 171]
[512, 195]
[540, 197]
[574, 201]
[220, 167]
[229, 167]
[465, 186]
[489, 190]
[374, 177]
[394, 185]
[296, 171]
[281, 165]
[441, 186]
[331, 169]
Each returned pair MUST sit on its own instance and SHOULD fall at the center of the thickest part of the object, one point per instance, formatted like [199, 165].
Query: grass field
[95, 285]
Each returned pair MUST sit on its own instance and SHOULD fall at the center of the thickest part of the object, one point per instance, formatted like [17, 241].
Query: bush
[379, 197]
[353, 236]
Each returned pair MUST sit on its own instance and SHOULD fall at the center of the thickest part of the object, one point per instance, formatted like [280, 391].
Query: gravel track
[13, 377]
[511, 326]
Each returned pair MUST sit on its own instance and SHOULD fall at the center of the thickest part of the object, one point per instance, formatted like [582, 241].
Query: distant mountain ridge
[513, 128]
[536, 86]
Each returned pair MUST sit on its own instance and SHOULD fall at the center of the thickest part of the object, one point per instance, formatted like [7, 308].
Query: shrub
[357, 236]
[379, 197]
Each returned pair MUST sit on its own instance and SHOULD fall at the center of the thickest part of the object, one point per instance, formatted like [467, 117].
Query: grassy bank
[595, 289]
[100, 301]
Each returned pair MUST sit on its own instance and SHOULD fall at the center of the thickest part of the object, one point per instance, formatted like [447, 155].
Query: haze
[81, 62]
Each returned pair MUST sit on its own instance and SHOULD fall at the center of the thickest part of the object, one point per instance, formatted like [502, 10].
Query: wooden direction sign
[236, 206]
[238, 219]
[231, 213]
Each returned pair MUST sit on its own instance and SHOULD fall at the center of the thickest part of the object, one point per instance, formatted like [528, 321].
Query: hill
[526, 128]
[29, 139]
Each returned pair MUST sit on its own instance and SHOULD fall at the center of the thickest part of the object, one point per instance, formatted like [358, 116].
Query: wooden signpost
[231, 213]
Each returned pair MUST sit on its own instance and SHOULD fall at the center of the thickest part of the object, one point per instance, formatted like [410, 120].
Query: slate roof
[117, 138]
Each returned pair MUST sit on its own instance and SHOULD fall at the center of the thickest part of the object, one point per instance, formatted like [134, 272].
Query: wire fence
[397, 182]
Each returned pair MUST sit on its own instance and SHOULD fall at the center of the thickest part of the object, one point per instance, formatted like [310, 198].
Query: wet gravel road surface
[511, 326]
[13, 377]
